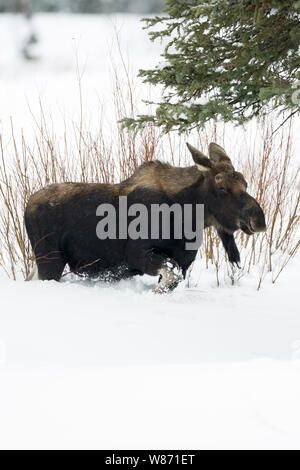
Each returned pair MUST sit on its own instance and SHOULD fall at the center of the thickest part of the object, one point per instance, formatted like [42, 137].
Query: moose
[61, 220]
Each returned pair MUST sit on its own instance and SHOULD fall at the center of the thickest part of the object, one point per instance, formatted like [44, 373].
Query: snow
[163, 64]
[133, 408]
[86, 44]
[88, 365]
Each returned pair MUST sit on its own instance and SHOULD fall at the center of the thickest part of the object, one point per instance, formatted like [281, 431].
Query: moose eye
[218, 178]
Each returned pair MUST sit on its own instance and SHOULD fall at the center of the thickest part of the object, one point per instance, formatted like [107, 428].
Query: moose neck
[199, 192]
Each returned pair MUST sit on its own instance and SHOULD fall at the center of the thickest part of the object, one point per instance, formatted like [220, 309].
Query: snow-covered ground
[87, 365]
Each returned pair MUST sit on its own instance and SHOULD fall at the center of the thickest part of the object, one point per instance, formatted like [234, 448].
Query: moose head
[229, 202]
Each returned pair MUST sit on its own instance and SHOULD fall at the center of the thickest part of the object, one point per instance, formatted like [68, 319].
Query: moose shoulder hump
[161, 176]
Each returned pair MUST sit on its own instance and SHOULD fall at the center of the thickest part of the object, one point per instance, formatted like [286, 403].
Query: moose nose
[257, 221]
[261, 227]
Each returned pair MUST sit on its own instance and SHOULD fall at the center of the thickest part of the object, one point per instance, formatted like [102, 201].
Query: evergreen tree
[224, 59]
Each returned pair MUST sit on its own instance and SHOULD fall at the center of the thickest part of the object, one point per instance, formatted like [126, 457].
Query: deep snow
[87, 365]
[84, 365]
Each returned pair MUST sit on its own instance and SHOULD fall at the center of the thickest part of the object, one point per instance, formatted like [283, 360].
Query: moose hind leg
[50, 270]
[50, 260]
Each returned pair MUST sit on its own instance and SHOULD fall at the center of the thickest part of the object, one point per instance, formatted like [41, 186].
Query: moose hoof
[170, 277]
[236, 264]
[165, 289]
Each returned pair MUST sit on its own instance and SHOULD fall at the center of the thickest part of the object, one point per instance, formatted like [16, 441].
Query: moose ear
[203, 163]
[217, 154]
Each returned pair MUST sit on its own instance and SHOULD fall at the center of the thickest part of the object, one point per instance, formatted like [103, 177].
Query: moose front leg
[230, 248]
[156, 263]
[169, 276]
